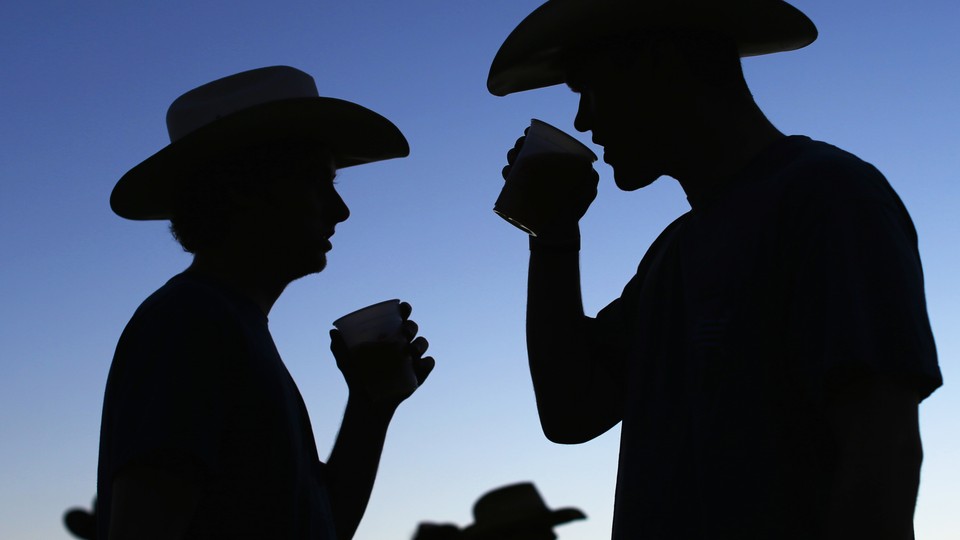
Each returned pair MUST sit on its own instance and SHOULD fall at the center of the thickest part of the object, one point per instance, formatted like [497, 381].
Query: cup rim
[371, 307]
[563, 139]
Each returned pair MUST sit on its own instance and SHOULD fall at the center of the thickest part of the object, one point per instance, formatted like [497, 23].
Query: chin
[307, 267]
[320, 264]
[634, 180]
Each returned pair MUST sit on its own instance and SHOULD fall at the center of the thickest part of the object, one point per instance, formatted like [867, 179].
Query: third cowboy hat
[531, 56]
[511, 509]
[247, 108]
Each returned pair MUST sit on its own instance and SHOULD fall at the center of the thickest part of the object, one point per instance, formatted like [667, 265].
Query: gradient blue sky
[85, 87]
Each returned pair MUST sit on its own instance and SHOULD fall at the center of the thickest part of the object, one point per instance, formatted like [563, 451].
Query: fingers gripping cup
[375, 339]
[517, 201]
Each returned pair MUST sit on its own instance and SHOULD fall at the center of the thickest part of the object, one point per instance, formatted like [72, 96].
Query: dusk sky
[84, 91]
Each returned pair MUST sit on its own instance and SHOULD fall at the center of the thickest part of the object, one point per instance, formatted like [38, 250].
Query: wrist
[360, 404]
[559, 240]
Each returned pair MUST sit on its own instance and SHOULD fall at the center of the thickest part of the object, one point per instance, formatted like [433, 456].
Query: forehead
[589, 70]
[310, 157]
[608, 57]
[322, 157]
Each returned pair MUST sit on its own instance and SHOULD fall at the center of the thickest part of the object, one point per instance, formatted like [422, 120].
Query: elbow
[568, 418]
[561, 437]
[568, 430]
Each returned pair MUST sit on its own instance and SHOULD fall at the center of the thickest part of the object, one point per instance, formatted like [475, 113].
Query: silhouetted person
[204, 432]
[516, 512]
[768, 358]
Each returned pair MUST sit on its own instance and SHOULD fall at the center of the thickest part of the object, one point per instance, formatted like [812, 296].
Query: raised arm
[577, 398]
[355, 458]
[353, 463]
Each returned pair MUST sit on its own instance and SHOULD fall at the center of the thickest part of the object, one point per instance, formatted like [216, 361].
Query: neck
[248, 277]
[723, 152]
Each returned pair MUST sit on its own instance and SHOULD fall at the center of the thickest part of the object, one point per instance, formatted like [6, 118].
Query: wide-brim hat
[513, 507]
[260, 105]
[532, 55]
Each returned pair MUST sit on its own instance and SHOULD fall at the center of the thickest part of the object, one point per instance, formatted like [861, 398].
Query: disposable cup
[517, 203]
[378, 322]
[376, 342]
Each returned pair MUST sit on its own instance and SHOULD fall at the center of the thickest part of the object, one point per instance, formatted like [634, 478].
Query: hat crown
[513, 508]
[205, 104]
[250, 108]
[510, 503]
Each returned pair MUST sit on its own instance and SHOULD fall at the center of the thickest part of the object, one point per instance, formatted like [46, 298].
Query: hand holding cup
[379, 353]
[550, 181]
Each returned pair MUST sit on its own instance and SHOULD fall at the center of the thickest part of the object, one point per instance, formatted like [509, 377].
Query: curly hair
[204, 208]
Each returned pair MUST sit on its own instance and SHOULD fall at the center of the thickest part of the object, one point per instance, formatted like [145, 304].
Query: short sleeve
[607, 337]
[617, 332]
[857, 300]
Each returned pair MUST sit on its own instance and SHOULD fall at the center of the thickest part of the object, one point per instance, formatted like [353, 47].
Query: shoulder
[185, 300]
[185, 336]
[655, 255]
[819, 173]
[183, 313]
[825, 187]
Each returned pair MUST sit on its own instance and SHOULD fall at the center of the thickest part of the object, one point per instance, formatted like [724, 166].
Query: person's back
[727, 425]
[197, 386]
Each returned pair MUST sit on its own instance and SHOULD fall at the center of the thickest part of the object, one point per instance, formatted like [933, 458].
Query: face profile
[298, 217]
[640, 99]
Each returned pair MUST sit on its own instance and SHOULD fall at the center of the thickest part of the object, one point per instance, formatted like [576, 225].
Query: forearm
[575, 400]
[354, 460]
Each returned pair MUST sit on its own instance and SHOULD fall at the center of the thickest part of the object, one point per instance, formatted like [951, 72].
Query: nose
[337, 209]
[583, 121]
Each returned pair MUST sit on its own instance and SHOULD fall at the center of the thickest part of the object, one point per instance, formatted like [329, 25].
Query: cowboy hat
[531, 56]
[515, 507]
[247, 108]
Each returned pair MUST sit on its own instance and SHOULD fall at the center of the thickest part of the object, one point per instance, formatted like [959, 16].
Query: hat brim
[547, 519]
[354, 134]
[532, 55]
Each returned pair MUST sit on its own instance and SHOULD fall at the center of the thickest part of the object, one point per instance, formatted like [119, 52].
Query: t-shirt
[198, 389]
[796, 277]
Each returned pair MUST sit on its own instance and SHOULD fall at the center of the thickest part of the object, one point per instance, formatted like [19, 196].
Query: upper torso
[741, 315]
[197, 388]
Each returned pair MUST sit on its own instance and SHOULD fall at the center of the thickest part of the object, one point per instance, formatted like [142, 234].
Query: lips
[328, 245]
[600, 142]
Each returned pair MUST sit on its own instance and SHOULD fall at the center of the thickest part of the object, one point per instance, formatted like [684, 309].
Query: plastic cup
[516, 203]
[378, 322]
[376, 342]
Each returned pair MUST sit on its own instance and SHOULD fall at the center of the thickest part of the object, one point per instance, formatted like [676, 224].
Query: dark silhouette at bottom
[512, 512]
